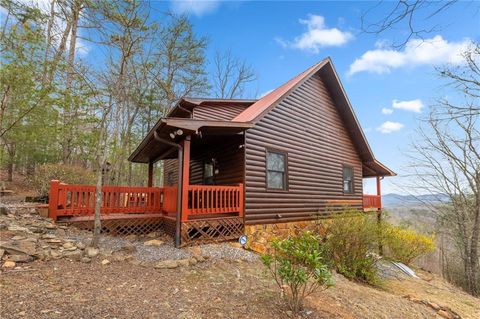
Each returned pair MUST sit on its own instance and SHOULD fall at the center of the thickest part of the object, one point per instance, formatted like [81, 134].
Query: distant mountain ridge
[394, 200]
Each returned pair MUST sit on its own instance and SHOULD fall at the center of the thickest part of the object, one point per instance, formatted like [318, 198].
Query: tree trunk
[97, 224]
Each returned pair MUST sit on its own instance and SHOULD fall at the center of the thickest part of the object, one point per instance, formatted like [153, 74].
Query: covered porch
[201, 196]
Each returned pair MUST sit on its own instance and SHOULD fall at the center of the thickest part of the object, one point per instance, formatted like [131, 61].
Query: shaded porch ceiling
[154, 148]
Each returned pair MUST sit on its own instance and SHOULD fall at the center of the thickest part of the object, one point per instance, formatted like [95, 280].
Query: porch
[210, 211]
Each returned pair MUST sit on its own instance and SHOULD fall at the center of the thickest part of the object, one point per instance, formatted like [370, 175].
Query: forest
[57, 107]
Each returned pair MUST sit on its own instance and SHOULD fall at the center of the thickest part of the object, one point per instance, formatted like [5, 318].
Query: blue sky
[281, 39]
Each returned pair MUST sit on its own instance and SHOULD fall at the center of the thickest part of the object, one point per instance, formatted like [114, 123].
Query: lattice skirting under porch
[141, 226]
[211, 230]
[193, 232]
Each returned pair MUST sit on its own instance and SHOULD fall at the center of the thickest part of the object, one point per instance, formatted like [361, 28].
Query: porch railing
[213, 199]
[77, 200]
[372, 201]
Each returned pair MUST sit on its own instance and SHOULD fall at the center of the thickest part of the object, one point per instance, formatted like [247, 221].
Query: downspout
[178, 221]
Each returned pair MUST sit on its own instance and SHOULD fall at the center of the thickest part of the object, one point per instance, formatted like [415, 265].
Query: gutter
[178, 221]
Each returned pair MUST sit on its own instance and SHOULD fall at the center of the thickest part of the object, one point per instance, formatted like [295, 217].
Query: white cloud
[412, 105]
[265, 93]
[417, 52]
[195, 7]
[387, 111]
[389, 127]
[317, 36]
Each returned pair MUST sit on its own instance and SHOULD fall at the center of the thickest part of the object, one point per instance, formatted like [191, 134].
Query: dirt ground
[213, 289]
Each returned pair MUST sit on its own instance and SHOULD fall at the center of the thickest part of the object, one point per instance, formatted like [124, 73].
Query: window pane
[208, 170]
[347, 179]
[275, 162]
[275, 180]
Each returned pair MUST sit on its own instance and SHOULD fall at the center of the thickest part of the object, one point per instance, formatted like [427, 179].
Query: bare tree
[446, 161]
[417, 17]
[231, 75]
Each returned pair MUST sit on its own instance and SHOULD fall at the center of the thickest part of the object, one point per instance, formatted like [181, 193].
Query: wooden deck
[205, 201]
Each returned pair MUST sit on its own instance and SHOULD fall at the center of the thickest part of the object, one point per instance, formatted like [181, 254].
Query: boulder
[105, 262]
[81, 245]
[91, 252]
[167, 264]
[19, 247]
[153, 242]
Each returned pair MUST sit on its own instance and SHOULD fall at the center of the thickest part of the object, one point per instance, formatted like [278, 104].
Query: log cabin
[235, 166]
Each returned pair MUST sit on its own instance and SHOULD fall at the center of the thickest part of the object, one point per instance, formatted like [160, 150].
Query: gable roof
[326, 70]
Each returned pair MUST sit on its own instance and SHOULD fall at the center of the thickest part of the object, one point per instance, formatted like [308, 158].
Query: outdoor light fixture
[178, 132]
[243, 240]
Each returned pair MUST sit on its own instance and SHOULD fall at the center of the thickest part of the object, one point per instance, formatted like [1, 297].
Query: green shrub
[351, 239]
[64, 173]
[405, 245]
[297, 263]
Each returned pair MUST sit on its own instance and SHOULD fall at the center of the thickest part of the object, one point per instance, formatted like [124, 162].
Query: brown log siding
[217, 112]
[307, 125]
[229, 156]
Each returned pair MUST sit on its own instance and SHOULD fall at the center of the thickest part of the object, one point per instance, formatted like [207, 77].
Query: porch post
[379, 212]
[150, 174]
[185, 177]
[379, 192]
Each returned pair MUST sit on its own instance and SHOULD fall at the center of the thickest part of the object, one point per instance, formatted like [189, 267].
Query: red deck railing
[372, 201]
[213, 199]
[79, 200]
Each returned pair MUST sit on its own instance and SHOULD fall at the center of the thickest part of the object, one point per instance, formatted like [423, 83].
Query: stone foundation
[259, 236]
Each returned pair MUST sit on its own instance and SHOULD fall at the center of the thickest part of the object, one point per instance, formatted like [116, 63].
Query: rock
[444, 314]
[169, 264]
[153, 242]
[9, 264]
[199, 258]
[21, 258]
[192, 261]
[18, 228]
[152, 235]
[4, 210]
[105, 262]
[184, 262]
[75, 255]
[48, 236]
[55, 254]
[128, 248]
[22, 247]
[131, 237]
[2, 252]
[91, 252]
[81, 246]
[50, 226]
[195, 250]
[18, 238]
[54, 241]
[69, 246]
[85, 260]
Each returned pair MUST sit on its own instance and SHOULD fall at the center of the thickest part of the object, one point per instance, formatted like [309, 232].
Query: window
[208, 173]
[347, 179]
[276, 170]
[170, 178]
